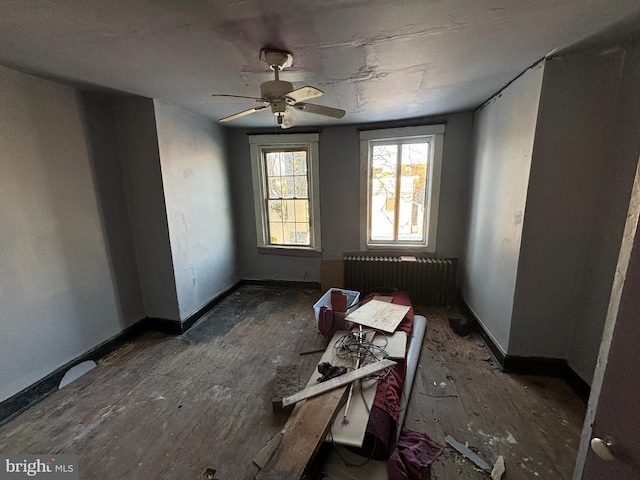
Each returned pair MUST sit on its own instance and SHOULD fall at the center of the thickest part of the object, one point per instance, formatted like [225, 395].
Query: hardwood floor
[169, 407]
[533, 422]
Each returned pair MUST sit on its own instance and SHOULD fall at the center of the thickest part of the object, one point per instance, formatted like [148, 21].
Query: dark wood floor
[170, 407]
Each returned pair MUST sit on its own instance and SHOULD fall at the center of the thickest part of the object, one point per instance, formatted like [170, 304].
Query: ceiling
[378, 60]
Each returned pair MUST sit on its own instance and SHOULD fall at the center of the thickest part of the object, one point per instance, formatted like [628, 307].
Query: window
[286, 185]
[400, 187]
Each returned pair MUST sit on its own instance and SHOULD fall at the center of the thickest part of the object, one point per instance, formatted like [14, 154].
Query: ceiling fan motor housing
[275, 89]
[274, 92]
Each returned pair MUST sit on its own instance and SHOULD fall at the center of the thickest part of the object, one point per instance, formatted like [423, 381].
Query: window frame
[434, 134]
[258, 145]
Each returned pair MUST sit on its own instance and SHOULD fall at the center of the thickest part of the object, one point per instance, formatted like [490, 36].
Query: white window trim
[436, 134]
[308, 141]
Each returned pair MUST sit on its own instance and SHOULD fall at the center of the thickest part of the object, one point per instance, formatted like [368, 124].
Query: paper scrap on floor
[379, 315]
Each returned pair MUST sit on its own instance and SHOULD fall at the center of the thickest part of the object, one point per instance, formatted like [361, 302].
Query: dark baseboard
[577, 384]
[467, 312]
[188, 322]
[282, 284]
[31, 395]
[164, 325]
[548, 367]
[540, 366]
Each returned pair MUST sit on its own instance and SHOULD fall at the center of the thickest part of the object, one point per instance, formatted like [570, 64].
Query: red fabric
[380, 436]
[389, 390]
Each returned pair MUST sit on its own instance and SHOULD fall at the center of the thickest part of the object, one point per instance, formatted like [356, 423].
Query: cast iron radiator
[429, 281]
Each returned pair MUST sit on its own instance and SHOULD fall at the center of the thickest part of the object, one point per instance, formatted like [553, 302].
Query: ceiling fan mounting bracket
[276, 59]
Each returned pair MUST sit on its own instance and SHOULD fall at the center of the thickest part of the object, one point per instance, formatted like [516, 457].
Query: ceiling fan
[281, 96]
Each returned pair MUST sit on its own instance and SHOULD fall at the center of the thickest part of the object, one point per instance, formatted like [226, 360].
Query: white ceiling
[378, 60]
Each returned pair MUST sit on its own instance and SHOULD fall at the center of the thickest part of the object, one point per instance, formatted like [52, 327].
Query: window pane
[273, 164]
[286, 165]
[301, 208]
[288, 190]
[287, 197]
[302, 234]
[276, 211]
[301, 187]
[300, 163]
[413, 183]
[383, 195]
[276, 234]
[289, 222]
[274, 187]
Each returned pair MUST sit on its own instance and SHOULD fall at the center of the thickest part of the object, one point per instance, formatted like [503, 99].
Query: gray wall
[100, 128]
[504, 132]
[620, 161]
[562, 138]
[566, 206]
[138, 147]
[339, 150]
[58, 294]
[197, 198]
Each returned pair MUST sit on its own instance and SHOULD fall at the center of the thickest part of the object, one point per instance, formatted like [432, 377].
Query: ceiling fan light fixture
[278, 106]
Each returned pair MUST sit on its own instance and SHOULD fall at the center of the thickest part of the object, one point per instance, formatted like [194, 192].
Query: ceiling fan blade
[224, 95]
[287, 120]
[320, 110]
[242, 114]
[302, 94]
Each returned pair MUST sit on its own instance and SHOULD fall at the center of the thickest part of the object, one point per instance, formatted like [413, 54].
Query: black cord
[354, 345]
[347, 462]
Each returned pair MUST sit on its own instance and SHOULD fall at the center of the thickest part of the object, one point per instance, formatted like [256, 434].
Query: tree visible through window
[398, 184]
[285, 191]
[400, 195]
[287, 199]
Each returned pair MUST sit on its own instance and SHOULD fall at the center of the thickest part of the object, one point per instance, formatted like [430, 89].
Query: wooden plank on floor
[336, 382]
[301, 441]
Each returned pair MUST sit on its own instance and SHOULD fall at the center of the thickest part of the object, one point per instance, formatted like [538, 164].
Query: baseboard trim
[493, 346]
[548, 367]
[537, 366]
[15, 405]
[282, 284]
[18, 403]
[190, 321]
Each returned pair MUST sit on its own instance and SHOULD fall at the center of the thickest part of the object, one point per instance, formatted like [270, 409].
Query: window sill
[290, 251]
[399, 249]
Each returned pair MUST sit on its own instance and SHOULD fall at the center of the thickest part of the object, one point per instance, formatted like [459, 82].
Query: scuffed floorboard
[169, 407]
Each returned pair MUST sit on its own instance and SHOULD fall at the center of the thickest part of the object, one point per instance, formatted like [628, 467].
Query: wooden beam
[337, 382]
[301, 440]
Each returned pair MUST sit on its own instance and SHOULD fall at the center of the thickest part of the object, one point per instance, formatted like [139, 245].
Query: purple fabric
[379, 439]
[325, 322]
[413, 456]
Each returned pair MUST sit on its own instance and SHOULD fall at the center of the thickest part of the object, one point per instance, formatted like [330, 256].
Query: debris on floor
[461, 326]
[466, 452]
[286, 383]
[209, 474]
[498, 469]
